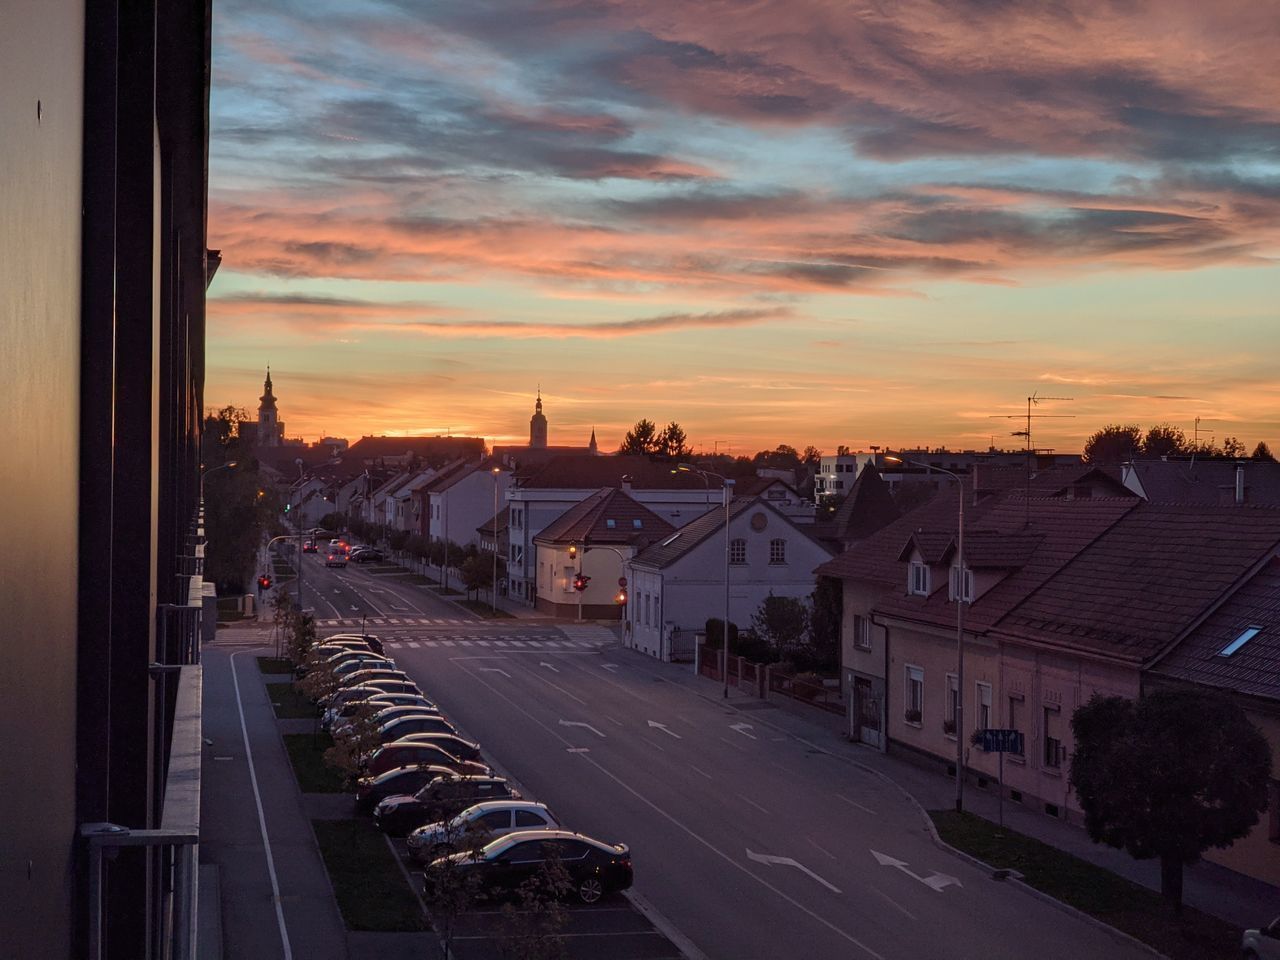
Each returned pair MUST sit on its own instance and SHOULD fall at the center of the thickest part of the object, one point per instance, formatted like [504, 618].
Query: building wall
[41, 114]
[556, 571]
[1258, 854]
[466, 505]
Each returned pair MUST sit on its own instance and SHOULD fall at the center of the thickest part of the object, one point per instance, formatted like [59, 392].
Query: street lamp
[301, 480]
[204, 473]
[493, 592]
[961, 599]
[726, 484]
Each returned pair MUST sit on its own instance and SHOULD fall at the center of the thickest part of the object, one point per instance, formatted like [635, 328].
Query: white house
[836, 473]
[462, 497]
[679, 583]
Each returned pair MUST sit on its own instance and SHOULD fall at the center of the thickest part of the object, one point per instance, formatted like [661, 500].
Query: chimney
[1239, 483]
[626, 484]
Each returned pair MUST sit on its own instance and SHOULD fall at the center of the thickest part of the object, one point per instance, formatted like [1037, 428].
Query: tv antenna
[1033, 401]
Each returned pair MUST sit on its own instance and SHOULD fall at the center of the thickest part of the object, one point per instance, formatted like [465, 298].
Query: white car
[493, 818]
[1262, 944]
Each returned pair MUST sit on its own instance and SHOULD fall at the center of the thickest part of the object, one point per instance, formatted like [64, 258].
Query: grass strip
[1120, 903]
[480, 608]
[413, 578]
[306, 753]
[274, 665]
[289, 704]
[370, 888]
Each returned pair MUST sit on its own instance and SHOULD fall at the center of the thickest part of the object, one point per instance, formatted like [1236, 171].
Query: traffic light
[573, 550]
[621, 598]
[264, 582]
[287, 506]
[580, 582]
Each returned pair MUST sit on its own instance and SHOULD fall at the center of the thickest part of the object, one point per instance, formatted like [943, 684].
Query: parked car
[397, 729]
[455, 744]
[389, 713]
[396, 754]
[367, 555]
[368, 689]
[341, 656]
[364, 676]
[369, 661]
[1263, 943]
[595, 868]
[369, 639]
[378, 701]
[335, 558]
[442, 798]
[489, 820]
[370, 791]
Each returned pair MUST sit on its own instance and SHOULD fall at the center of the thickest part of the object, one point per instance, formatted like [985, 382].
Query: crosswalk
[497, 643]
[394, 621]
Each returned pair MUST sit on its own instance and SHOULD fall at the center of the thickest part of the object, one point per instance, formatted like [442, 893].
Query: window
[914, 699]
[861, 632]
[611, 524]
[646, 609]
[1015, 711]
[527, 818]
[1052, 743]
[949, 722]
[984, 706]
[738, 551]
[1248, 634]
[918, 579]
[637, 524]
[496, 820]
[777, 551]
[964, 592]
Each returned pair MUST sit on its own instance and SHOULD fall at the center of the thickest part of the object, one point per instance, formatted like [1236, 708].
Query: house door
[867, 707]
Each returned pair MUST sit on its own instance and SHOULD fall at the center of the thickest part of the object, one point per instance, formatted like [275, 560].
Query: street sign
[1000, 741]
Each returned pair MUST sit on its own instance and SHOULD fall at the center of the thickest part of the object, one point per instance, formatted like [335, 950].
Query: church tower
[538, 426]
[592, 447]
[269, 428]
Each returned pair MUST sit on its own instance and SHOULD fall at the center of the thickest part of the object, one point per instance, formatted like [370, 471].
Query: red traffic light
[580, 582]
[621, 598]
[264, 582]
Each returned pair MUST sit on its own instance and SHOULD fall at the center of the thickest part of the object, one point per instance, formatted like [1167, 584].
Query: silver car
[1262, 944]
[491, 819]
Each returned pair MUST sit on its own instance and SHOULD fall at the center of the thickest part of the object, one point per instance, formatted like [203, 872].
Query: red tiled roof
[1254, 668]
[607, 516]
[1146, 582]
[427, 448]
[593, 472]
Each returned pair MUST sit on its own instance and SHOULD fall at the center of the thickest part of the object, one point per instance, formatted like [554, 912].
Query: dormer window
[962, 587]
[918, 579]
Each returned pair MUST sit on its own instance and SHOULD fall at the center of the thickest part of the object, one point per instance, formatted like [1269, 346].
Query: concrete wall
[41, 116]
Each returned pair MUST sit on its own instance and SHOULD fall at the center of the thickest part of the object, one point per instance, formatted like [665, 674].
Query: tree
[535, 930]
[1168, 776]
[783, 622]
[356, 742]
[446, 886]
[811, 456]
[842, 451]
[1233, 448]
[641, 440]
[671, 442]
[477, 573]
[824, 622]
[1164, 440]
[1114, 443]
[1263, 452]
[715, 633]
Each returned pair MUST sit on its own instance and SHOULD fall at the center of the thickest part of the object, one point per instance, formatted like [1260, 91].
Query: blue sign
[1000, 741]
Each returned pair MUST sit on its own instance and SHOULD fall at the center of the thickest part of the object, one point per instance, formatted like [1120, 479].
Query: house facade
[462, 497]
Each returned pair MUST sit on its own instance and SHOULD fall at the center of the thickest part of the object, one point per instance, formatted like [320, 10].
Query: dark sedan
[370, 791]
[401, 754]
[367, 555]
[397, 729]
[594, 868]
[464, 749]
[440, 799]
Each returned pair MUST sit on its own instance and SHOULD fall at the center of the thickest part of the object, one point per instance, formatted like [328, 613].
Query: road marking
[855, 803]
[262, 820]
[742, 796]
[701, 771]
[579, 749]
[549, 666]
[578, 723]
[935, 881]
[820, 848]
[679, 824]
[656, 746]
[616, 723]
[496, 670]
[665, 729]
[788, 862]
[737, 745]
[610, 666]
[413, 644]
[742, 728]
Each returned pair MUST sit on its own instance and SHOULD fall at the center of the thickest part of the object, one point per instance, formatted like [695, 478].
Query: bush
[715, 633]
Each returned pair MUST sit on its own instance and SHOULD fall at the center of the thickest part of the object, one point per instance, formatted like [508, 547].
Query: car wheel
[590, 890]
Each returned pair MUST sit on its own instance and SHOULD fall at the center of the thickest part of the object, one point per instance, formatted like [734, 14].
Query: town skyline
[663, 212]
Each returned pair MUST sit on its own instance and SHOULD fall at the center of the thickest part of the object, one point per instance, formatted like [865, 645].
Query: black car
[368, 639]
[367, 555]
[370, 791]
[595, 868]
[396, 729]
[440, 799]
[463, 749]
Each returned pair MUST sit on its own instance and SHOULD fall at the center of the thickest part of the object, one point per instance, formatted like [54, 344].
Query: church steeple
[270, 430]
[591, 446]
[538, 425]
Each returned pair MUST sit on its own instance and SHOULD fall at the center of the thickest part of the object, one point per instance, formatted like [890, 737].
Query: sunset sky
[802, 221]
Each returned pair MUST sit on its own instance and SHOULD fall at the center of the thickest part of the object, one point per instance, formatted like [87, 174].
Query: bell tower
[269, 431]
[538, 426]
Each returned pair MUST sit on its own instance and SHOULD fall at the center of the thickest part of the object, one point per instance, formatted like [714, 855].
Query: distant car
[372, 641]
[395, 754]
[370, 791]
[343, 660]
[356, 664]
[595, 868]
[333, 646]
[442, 798]
[367, 555]
[389, 712]
[309, 547]
[1263, 943]
[336, 714]
[489, 820]
[364, 676]
[363, 691]
[343, 654]
[335, 559]
[406, 725]
[455, 744]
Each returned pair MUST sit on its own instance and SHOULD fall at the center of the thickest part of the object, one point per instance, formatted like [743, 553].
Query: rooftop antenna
[1032, 401]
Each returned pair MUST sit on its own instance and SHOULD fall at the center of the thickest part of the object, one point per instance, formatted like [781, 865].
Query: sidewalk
[1208, 887]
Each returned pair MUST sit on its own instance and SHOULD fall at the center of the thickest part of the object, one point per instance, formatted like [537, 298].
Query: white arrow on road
[788, 862]
[742, 728]
[495, 670]
[543, 663]
[578, 723]
[610, 666]
[665, 729]
[935, 881]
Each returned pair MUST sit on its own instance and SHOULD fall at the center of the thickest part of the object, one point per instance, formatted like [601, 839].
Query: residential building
[780, 493]
[461, 497]
[836, 474]
[865, 507]
[594, 538]
[677, 584]
[408, 451]
[1204, 481]
[102, 307]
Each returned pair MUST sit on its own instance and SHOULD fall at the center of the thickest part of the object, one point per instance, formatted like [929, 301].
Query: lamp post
[301, 481]
[961, 600]
[726, 485]
[204, 473]
[493, 590]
